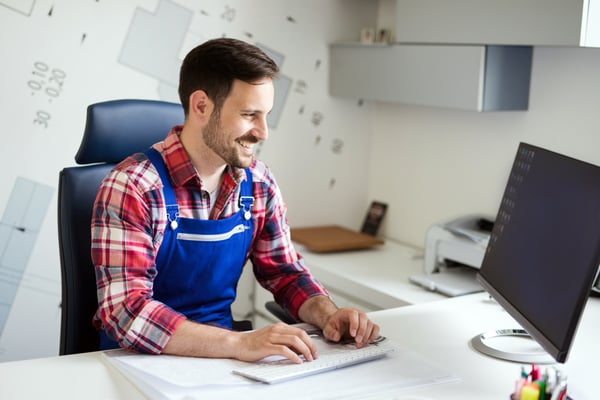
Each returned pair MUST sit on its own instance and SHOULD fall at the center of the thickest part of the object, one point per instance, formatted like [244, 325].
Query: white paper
[172, 377]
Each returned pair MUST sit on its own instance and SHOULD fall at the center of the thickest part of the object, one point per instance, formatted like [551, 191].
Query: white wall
[81, 44]
[433, 164]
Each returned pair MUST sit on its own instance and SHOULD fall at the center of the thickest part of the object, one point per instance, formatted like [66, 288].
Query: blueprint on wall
[153, 42]
[19, 227]
[23, 6]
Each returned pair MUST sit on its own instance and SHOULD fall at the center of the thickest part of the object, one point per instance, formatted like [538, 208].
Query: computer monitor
[544, 250]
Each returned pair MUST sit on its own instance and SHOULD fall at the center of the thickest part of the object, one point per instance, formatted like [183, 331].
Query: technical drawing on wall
[19, 227]
[22, 6]
[153, 42]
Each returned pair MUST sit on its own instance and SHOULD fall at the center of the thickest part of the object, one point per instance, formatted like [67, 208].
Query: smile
[247, 147]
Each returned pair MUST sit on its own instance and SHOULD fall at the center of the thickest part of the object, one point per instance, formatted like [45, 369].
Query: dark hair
[215, 64]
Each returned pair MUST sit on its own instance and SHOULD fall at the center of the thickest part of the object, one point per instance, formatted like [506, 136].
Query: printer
[453, 253]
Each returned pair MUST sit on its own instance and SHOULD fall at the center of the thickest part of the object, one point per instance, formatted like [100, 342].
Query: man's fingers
[354, 322]
[292, 342]
[374, 333]
[363, 332]
[331, 332]
[278, 339]
[351, 323]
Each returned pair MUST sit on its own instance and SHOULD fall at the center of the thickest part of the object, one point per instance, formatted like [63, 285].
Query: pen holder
[551, 385]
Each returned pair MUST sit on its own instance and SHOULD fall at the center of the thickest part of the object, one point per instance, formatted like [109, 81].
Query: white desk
[441, 331]
[371, 279]
[438, 330]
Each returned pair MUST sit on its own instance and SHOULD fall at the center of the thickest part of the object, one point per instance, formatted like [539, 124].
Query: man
[173, 227]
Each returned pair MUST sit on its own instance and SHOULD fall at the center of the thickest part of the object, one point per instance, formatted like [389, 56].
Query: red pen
[535, 373]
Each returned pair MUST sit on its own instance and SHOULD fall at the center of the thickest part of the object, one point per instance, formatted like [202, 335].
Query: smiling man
[173, 227]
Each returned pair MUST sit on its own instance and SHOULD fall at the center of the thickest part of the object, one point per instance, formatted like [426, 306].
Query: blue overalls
[200, 262]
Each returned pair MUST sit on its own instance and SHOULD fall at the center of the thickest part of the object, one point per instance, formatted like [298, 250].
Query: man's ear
[201, 105]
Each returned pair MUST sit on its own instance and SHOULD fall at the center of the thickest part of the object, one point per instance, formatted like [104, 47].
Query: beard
[217, 141]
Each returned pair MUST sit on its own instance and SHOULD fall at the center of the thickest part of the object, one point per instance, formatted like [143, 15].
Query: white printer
[453, 253]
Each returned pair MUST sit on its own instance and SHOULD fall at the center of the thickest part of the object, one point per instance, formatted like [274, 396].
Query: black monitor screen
[544, 250]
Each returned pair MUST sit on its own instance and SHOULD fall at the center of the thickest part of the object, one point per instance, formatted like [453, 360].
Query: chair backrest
[113, 130]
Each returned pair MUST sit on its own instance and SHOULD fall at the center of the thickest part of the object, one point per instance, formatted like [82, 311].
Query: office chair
[280, 312]
[113, 130]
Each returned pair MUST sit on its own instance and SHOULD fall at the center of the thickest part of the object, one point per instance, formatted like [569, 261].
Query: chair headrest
[118, 128]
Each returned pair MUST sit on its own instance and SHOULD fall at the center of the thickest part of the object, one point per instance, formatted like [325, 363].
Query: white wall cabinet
[469, 77]
[504, 22]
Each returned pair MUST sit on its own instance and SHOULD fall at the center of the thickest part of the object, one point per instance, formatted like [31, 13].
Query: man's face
[233, 131]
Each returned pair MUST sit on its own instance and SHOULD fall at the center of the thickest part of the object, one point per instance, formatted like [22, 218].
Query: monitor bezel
[558, 351]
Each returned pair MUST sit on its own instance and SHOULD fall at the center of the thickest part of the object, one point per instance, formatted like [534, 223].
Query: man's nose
[261, 129]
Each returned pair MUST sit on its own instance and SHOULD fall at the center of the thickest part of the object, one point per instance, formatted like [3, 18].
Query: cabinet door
[504, 22]
[444, 76]
[480, 78]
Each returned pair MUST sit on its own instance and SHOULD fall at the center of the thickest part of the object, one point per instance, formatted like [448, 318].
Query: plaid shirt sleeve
[123, 250]
[277, 265]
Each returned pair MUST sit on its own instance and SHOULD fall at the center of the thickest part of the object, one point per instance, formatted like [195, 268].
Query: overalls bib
[200, 262]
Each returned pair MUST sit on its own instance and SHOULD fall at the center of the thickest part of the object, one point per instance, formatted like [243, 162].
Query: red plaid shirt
[128, 223]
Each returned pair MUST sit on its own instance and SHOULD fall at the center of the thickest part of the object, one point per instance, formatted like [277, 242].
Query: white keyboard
[282, 370]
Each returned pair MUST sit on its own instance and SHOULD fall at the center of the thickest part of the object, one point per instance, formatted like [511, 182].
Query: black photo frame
[374, 217]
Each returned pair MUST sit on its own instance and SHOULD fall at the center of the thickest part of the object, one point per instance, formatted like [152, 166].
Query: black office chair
[280, 312]
[113, 130]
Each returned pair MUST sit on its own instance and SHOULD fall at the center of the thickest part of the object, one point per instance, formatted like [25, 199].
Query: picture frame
[374, 217]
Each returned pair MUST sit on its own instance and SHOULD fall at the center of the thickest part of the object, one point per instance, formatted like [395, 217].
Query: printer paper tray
[454, 281]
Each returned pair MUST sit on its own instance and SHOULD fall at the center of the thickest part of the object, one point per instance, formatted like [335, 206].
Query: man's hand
[350, 323]
[279, 339]
[199, 340]
[338, 323]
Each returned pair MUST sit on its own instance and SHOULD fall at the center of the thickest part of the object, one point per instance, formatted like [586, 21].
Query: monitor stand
[512, 345]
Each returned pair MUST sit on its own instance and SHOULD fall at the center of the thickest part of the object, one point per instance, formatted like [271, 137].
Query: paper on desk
[171, 377]
[168, 377]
